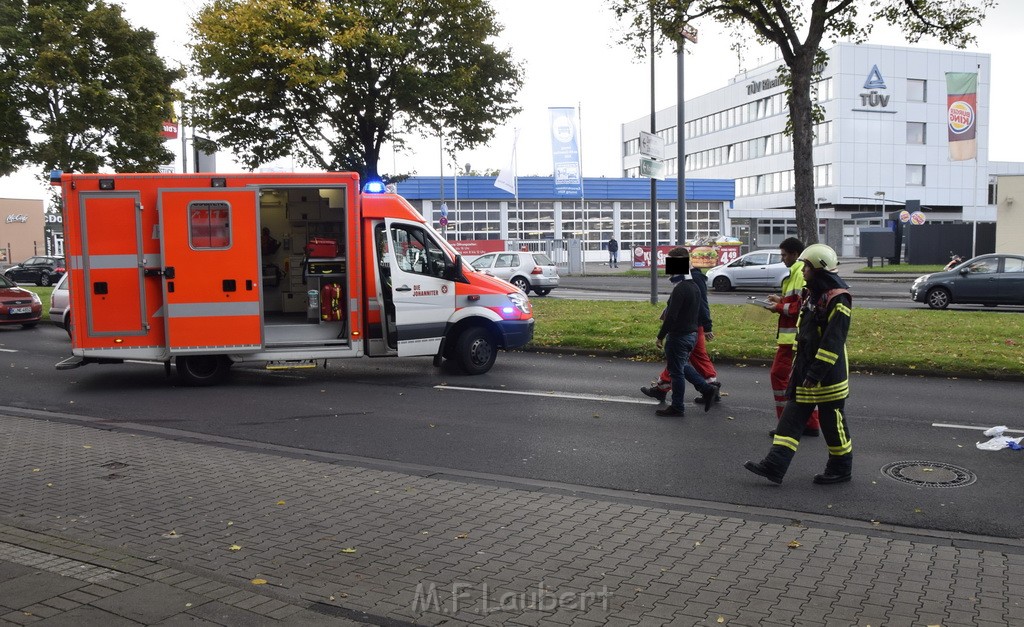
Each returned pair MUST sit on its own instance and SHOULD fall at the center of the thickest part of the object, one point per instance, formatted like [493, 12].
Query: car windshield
[5, 282]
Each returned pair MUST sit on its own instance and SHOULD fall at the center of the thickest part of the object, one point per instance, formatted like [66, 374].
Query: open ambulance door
[209, 242]
[423, 299]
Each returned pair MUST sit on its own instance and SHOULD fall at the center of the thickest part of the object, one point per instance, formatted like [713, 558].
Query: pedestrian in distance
[613, 253]
[821, 374]
[678, 335]
[787, 306]
[699, 358]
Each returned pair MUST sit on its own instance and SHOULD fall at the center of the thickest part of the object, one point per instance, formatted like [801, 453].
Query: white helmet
[821, 257]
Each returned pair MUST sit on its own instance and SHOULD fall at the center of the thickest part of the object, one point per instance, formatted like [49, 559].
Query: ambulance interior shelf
[326, 298]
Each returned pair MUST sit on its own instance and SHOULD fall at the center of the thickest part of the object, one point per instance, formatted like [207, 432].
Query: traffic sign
[688, 32]
[651, 146]
[649, 168]
[443, 221]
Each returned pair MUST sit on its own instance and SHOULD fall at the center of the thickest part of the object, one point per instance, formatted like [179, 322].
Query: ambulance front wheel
[475, 350]
[202, 370]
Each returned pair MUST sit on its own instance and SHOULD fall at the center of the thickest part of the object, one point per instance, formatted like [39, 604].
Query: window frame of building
[916, 175]
[917, 133]
[917, 90]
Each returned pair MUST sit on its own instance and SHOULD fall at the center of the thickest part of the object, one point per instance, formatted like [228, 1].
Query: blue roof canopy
[543, 188]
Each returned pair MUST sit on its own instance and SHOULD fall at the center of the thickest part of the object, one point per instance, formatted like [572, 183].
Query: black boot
[711, 394]
[765, 470]
[839, 469]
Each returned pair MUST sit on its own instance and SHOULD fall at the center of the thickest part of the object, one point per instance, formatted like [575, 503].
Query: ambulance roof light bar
[373, 187]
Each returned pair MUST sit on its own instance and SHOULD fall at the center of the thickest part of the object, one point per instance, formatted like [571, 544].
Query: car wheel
[521, 283]
[721, 284]
[475, 350]
[202, 370]
[938, 298]
[542, 291]
[45, 280]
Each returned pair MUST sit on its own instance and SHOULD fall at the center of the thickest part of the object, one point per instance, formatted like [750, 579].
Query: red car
[18, 305]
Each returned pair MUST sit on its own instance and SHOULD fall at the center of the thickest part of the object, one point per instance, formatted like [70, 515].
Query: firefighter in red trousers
[821, 373]
[699, 358]
[787, 305]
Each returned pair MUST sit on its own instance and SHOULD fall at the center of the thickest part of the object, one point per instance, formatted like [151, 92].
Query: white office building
[882, 142]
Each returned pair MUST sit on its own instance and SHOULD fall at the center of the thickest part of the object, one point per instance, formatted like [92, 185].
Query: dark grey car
[994, 279]
[42, 271]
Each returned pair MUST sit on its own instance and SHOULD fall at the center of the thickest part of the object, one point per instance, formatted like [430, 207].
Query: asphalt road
[575, 419]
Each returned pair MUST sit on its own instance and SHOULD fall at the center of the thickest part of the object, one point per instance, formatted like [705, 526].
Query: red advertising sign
[474, 247]
[169, 129]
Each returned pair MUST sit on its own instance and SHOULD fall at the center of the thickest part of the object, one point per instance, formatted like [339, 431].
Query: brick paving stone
[37, 586]
[86, 616]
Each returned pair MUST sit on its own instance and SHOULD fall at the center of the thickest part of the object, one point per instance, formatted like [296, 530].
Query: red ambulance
[176, 267]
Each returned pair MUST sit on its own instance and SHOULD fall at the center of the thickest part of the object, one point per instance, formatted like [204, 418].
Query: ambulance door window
[416, 251]
[380, 236]
[208, 224]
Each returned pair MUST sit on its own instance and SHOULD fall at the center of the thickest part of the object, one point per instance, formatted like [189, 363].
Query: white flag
[506, 180]
[507, 176]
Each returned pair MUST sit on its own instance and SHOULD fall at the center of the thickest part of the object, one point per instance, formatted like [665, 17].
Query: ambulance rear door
[211, 266]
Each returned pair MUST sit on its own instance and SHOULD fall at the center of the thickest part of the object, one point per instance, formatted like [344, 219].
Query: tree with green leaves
[80, 89]
[798, 28]
[330, 82]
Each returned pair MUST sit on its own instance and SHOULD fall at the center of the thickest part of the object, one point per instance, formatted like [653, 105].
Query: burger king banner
[700, 256]
[962, 114]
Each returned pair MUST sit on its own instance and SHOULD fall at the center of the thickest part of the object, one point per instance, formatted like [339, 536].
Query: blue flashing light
[373, 187]
[55, 176]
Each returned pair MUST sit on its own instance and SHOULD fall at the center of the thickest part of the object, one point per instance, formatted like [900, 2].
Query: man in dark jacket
[613, 253]
[678, 335]
[821, 373]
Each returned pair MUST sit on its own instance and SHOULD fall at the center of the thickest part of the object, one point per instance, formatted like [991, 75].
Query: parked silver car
[526, 270]
[984, 280]
[761, 269]
[60, 305]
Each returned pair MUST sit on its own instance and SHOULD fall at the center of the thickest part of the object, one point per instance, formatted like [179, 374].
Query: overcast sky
[571, 59]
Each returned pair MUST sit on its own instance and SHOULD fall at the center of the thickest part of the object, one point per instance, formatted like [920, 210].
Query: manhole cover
[929, 474]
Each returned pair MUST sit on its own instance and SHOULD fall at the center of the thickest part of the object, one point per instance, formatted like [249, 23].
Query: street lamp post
[882, 195]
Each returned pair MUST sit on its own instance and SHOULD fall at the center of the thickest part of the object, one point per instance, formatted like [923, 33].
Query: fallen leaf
[917, 510]
[87, 446]
[280, 502]
[348, 550]
[49, 485]
[927, 470]
[721, 619]
[171, 534]
[793, 544]
[696, 544]
[234, 547]
[35, 470]
[258, 582]
[462, 536]
[230, 523]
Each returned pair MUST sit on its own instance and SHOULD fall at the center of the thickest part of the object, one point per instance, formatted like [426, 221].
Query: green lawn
[955, 343]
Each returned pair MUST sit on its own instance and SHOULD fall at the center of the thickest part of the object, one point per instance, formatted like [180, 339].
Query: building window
[631, 146]
[917, 90]
[915, 174]
[915, 133]
[474, 219]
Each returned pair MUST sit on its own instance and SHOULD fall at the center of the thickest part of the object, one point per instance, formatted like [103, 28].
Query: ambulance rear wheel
[202, 370]
[475, 350]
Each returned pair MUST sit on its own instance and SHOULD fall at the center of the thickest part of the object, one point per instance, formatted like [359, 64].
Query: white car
[527, 271]
[60, 305]
[761, 269]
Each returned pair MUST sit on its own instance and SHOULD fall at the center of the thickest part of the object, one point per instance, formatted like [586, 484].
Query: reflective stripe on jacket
[789, 307]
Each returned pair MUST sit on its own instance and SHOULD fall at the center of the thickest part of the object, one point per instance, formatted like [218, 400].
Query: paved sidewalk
[151, 526]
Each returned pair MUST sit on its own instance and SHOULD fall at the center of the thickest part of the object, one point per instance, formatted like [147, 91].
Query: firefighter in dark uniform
[821, 373]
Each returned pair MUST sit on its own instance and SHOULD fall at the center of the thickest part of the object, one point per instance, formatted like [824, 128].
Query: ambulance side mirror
[453, 271]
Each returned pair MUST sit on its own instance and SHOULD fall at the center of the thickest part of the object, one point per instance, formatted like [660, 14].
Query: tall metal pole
[654, 186]
[680, 149]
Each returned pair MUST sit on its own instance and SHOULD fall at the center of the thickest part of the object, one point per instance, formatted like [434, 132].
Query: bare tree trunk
[802, 118]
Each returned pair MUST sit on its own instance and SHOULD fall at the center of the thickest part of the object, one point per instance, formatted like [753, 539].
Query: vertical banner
[962, 114]
[565, 151]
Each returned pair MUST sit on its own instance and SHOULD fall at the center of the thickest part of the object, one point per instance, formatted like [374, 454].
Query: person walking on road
[678, 335]
[821, 374]
[613, 253]
[699, 358]
[787, 306]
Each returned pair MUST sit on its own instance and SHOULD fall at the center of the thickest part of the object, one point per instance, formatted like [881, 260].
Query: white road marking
[583, 397]
[8, 350]
[972, 428]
